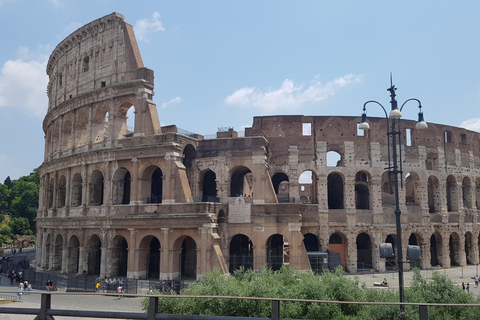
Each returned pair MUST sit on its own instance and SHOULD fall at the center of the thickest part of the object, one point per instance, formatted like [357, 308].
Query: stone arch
[67, 135]
[241, 182]
[335, 189]
[152, 184]
[434, 202]
[57, 253]
[467, 192]
[362, 190]
[51, 188]
[477, 193]
[185, 252]
[436, 249]
[61, 192]
[56, 138]
[73, 254]
[277, 251]
[364, 251]
[121, 186]
[119, 257]
[94, 254]
[415, 240]
[337, 243]
[76, 196]
[412, 182]
[149, 257]
[454, 249]
[97, 186]
[307, 183]
[452, 194]
[281, 186]
[334, 158]
[469, 250]
[310, 241]
[222, 216]
[125, 121]
[189, 155]
[241, 253]
[388, 196]
[209, 186]
[100, 125]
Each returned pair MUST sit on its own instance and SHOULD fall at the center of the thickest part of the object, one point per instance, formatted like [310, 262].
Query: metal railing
[45, 312]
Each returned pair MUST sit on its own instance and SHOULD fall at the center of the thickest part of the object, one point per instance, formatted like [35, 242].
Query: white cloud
[146, 26]
[23, 84]
[471, 124]
[290, 96]
[171, 102]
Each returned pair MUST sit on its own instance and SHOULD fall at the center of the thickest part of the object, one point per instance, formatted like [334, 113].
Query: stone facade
[153, 202]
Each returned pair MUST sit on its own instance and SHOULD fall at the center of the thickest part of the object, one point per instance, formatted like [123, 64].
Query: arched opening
[334, 159]
[390, 263]
[121, 186]
[209, 187]
[362, 192]
[153, 259]
[477, 193]
[57, 254]
[94, 255]
[222, 216]
[414, 240]
[241, 253]
[454, 247]
[467, 193]
[388, 198]
[411, 186]
[125, 121]
[310, 241]
[119, 251]
[156, 186]
[434, 203]
[364, 252]
[435, 249]
[337, 244]
[96, 188]
[469, 252]
[61, 192]
[189, 155]
[307, 184]
[335, 191]
[73, 255]
[56, 139]
[281, 187]
[452, 195]
[241, 183]
[76, 197]
[277, 250]
[188, 259]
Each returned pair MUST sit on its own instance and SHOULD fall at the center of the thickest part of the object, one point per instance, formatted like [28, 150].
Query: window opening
[307, 129]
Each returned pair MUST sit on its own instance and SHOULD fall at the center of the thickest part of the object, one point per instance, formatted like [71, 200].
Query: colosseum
[154, 201]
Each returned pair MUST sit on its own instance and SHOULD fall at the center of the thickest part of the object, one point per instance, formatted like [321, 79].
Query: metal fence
[45, 312]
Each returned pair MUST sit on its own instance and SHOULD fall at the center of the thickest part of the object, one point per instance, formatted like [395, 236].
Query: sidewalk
[456, 274]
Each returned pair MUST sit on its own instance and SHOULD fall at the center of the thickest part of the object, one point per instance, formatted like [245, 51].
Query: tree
[8, 182]
[19, 225]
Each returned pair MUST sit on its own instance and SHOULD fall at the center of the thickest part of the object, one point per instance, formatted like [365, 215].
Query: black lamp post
[394, 134]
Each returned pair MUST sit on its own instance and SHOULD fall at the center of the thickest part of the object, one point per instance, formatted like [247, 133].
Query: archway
[435, 249]
[94, 255]
[337, 244]
[434, 203]
[281, 187]
[76, 197]
[189, 155]
[119, 259]
[209, 187]
[469, 252]
[362, 192]
[414, 240]
[156, 186]
[307, 184]
[188, 259]
[411, 186]
[364, 251]
[57, 254]
[390, 263]
[310, 241]
[335, 191]
[452, 196]
[121, 186]
[241, 253]
[241, 182]
[61, 192]
[48, 244]
[454, 247]
[73, 254]
[467, 193]
[276, 249]
[96, 188]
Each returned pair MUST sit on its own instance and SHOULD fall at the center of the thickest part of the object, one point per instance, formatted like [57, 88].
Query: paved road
[70, 301]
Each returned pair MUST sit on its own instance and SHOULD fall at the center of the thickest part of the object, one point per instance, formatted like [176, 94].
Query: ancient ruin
[159, 202]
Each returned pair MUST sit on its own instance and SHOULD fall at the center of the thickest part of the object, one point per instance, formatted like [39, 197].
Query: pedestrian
[476, 281]
[120, 291]
[468, 287]
[463, 286]
[20, 291]
[97, 286]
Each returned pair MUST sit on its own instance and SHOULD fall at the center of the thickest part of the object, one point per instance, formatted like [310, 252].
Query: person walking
[463, 286]
[468, 287]
[20, 291]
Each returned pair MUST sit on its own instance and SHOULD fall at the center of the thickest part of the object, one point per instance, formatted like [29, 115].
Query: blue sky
[220, 63]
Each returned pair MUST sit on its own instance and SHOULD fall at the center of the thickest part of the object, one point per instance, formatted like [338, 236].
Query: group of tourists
[15, 277]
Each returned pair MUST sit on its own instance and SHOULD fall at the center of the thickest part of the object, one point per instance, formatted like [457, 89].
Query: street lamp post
[394, 134]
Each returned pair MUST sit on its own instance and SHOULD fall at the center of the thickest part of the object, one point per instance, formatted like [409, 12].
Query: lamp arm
[373, 101]
[415, 99]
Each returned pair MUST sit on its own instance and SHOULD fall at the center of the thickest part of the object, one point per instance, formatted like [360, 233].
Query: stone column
[165, 256]
[65, 255]
[132, 271]
[82, 262]
[103, 261]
